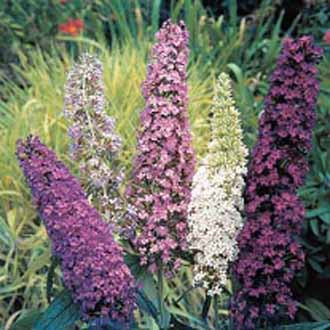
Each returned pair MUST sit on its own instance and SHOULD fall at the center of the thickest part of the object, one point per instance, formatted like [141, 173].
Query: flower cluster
[159, 191]
[92, 263]
[72, 26]
[214, 212]
[269, 254]
[95, 145]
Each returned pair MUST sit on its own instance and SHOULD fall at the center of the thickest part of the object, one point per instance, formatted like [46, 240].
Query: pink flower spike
[164, 162]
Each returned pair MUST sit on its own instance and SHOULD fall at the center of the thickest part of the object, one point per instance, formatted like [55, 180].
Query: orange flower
[326, 37]
[72, 26]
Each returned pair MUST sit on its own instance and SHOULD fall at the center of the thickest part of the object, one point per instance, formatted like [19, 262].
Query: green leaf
[328, 237]
[315, 265]
[61, 314]
[146, 305]
[206, 307]
[237, 72]
[315, 227]
[149, 287]
[317, 212]
[133, 262]
[26, 320]
[50, 277]
[325, 217]
[318, 310]
[309, 326]
[232, 9]
[179, 312]
[155, 15]
[166, 318]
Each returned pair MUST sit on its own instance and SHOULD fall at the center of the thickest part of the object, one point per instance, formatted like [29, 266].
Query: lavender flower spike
[163, 168]
[269, 254]
[92, 263]
[95, 145]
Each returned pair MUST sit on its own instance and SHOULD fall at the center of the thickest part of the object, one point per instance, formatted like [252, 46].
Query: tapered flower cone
[269, 254]
[94, 142]
[92, 263]
[159, 192]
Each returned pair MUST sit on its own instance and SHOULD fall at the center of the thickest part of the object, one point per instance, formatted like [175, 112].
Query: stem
[216, 314]
[105, 194]
[183, 294]
[50, 277]
[86, 110]
[160, 293]
[206, 306]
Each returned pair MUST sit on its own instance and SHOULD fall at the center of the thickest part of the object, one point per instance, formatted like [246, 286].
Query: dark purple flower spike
[270, 256]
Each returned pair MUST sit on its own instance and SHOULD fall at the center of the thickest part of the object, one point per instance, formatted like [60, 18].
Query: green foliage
[27, 320]
[314, 19]
[309, 326]
[25, 24]
[318, 311]
[62, 313]
[316, 195]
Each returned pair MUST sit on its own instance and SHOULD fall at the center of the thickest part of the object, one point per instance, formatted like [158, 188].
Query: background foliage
[241, 39]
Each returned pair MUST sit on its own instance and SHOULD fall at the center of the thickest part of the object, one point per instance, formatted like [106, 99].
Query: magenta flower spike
[92, 263]
[160, 189]
[270, 255]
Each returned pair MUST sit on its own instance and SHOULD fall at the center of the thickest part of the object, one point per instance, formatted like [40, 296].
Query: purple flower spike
[160, 189]
[269, 253]
[92, 263]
